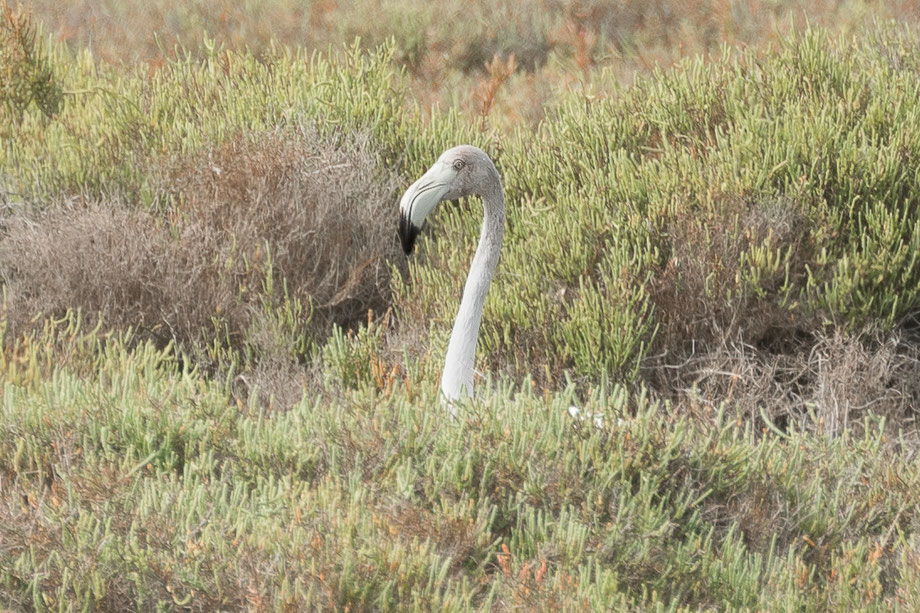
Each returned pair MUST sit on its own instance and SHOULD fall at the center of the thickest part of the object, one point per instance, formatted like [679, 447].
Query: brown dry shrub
[243, 233]
[105, 259]
[721, 340]
[829, 382]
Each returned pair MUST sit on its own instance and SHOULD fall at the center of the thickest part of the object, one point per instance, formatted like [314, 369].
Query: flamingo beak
[407, 233]
[419, 200]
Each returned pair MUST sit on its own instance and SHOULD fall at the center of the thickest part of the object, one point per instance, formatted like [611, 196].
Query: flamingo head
[460, 172]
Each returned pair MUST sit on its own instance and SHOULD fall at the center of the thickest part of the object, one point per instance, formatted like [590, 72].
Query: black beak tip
[407, 234]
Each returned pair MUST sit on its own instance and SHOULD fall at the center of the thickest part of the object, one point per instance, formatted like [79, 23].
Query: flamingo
[460, 172]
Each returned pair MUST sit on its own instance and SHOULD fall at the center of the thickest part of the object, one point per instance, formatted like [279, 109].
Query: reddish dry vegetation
[449, 49]
[274, 221]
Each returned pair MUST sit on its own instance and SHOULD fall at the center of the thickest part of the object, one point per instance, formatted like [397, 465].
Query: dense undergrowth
[140, 485]
[219, 373]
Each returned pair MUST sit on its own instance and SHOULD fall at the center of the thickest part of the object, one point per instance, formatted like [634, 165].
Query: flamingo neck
[457, 379]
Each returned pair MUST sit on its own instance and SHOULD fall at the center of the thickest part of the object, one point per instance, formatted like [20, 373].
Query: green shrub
[27, 75]
[754, 199]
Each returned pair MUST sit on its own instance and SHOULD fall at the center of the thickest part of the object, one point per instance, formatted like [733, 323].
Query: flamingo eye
[459, 164]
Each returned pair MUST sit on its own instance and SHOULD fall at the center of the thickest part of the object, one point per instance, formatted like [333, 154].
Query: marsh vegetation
[220, 374]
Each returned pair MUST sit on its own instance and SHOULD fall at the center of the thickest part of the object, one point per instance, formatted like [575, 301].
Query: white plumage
[459, 172]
